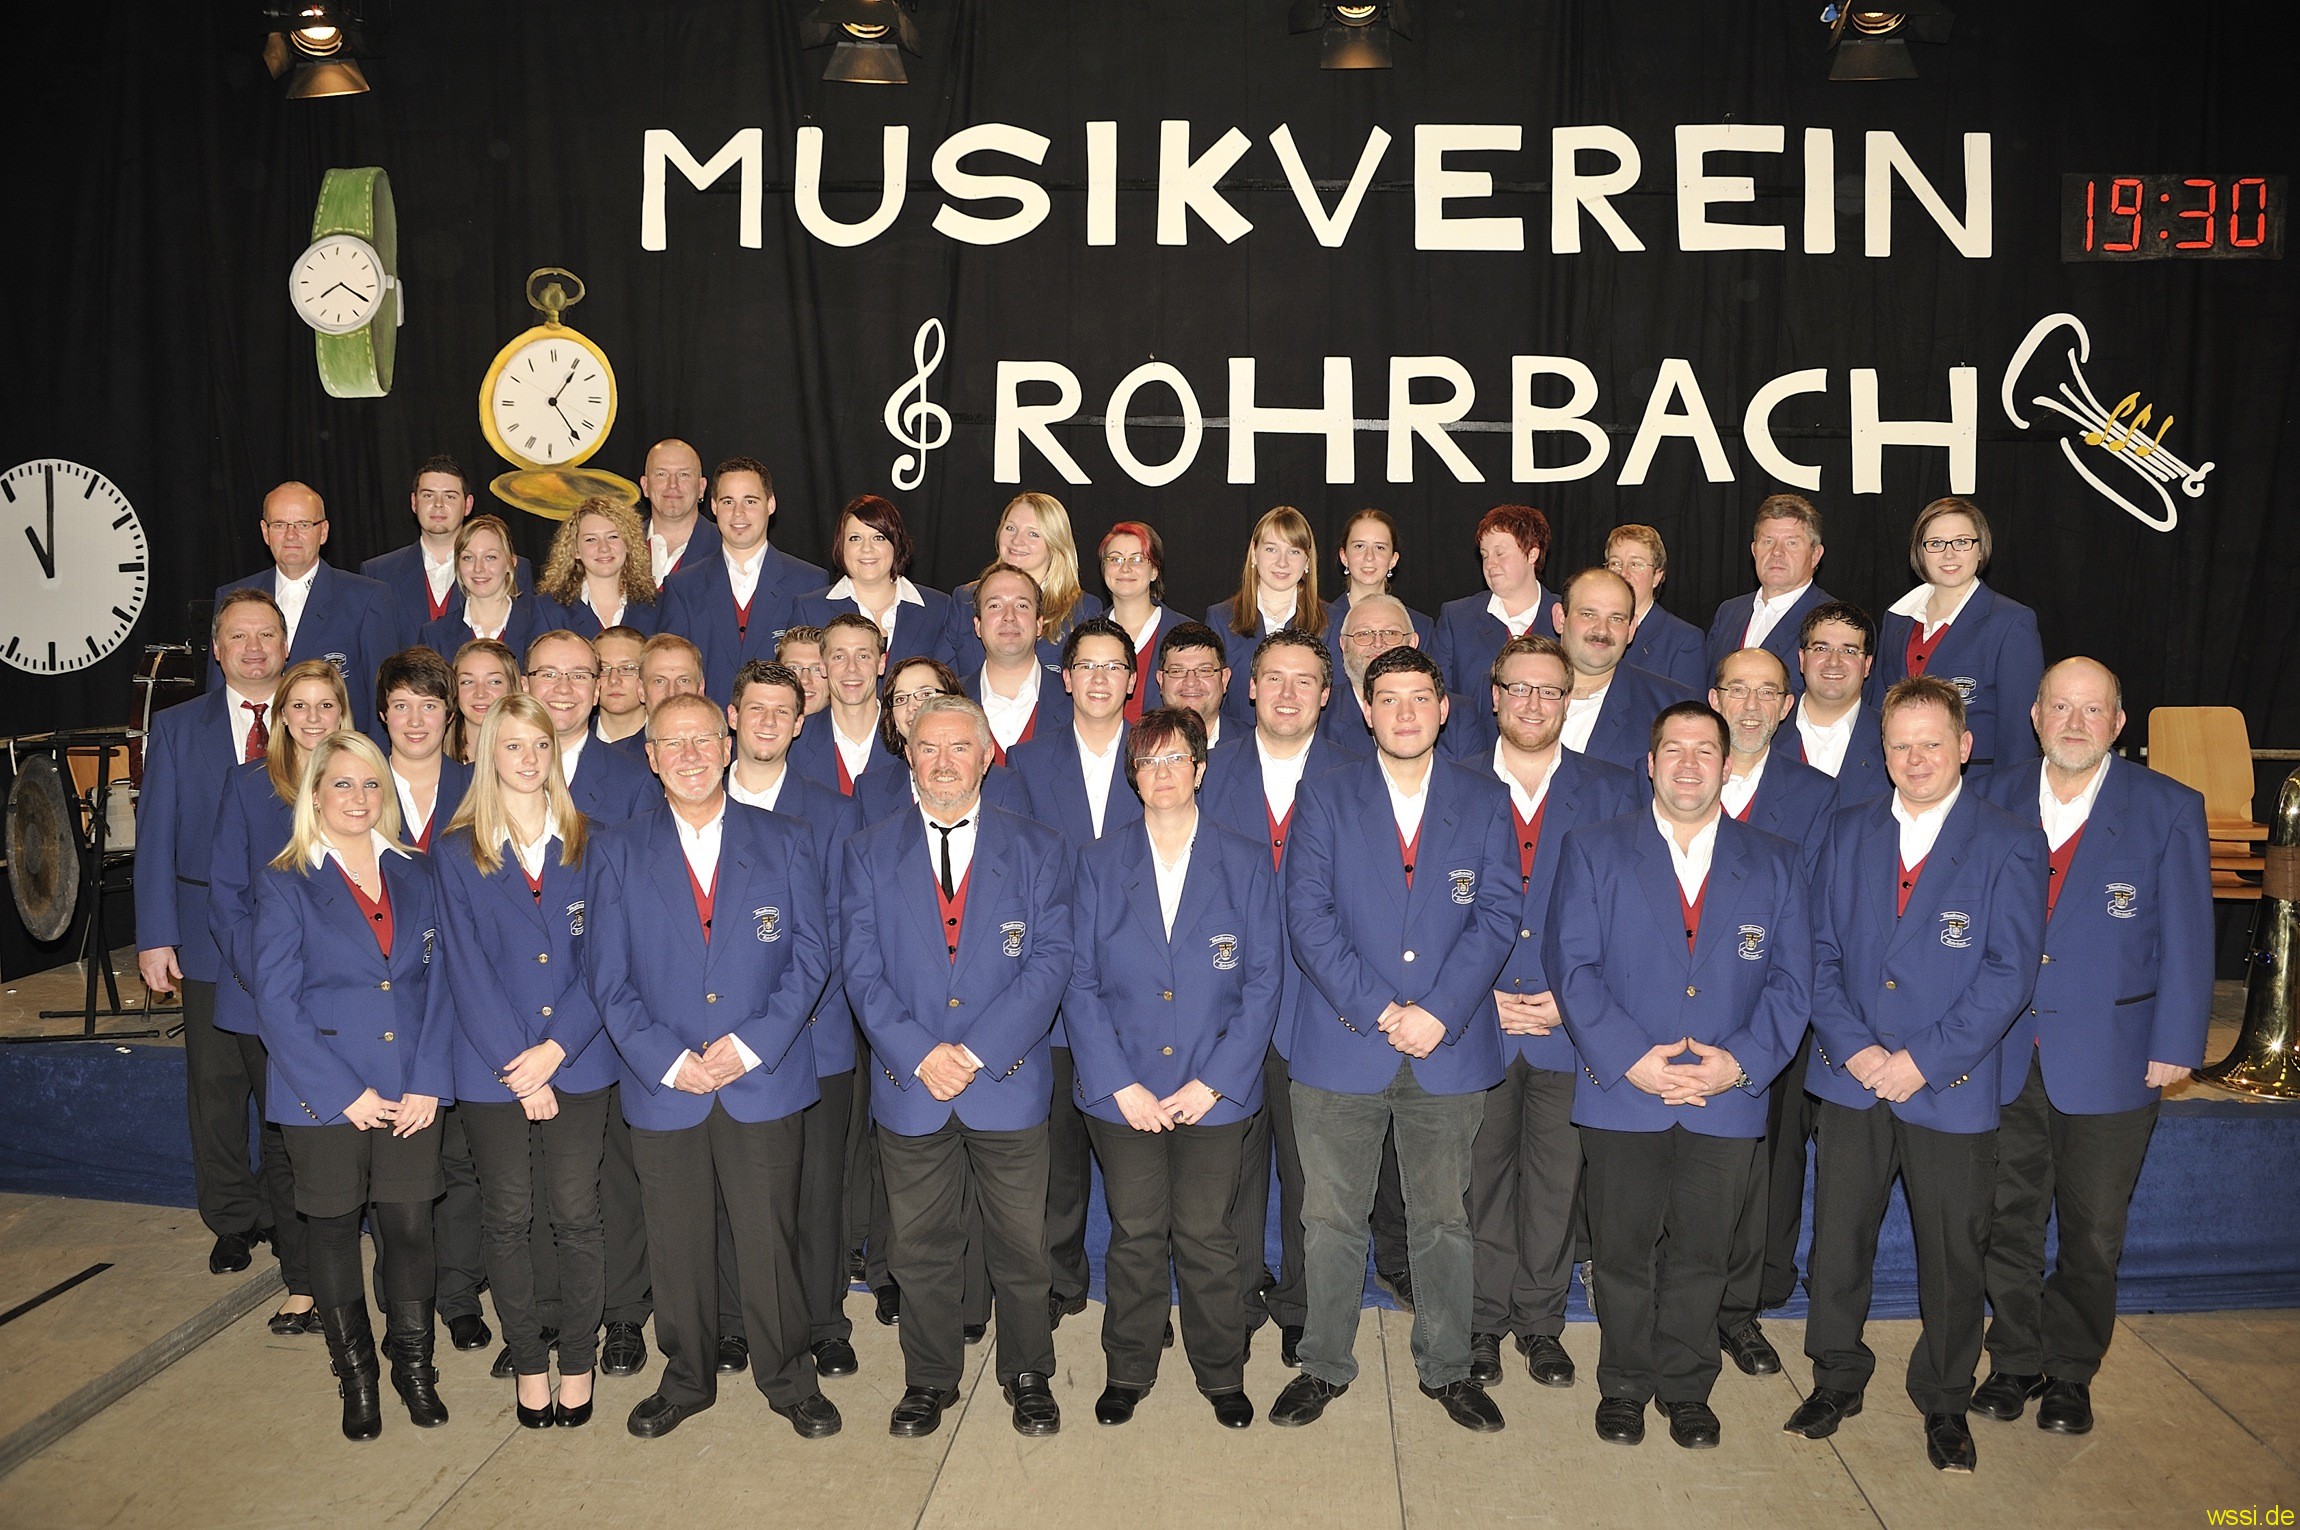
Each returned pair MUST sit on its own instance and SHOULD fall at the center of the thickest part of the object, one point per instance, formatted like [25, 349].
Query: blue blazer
[1674, 649]
[1365, 939]
[1584, 791]
[1625, 983]
[514, 967]
[1861, 774]
[699, 604]
[997, 999]
[2126, 976]
[1338, 610]
[702, 545]
[1992, 655]
[663, 989]
[531, 617]
[611, 786]
[454, 786]
[1732, 621]
[1947, 979]
[1054, 787]
[916, 628]
[400, 571]
[1468, 637]
[959, 648]
[338, 1016]
[881, 794]
[1624, 732]
[1145, 1008]
[252, 826]
[832, 820]
[189, 754]
[1793, 802]
[814, 754]
[632, 744]
[348, 620]
[581, 620]
[1050, 720]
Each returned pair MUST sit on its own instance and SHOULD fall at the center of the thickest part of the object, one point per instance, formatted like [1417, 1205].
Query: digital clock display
[2172, 217]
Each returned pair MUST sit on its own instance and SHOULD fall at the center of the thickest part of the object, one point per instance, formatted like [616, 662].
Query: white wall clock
[74, 566]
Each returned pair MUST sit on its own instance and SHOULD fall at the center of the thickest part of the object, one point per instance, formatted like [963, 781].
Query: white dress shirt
[571, 756]
[1739, 789]
[1275, 621]
[659, 552]
[608, 619]
[291, 596]
[1009, 715]
[1527, 803]
[759, 799]
[1213, 733]
[1919, 830]
[744, 579]
[1692, 862]
[531, 856]
[1097, 769]
[437, 575]
[1147, 630]
[412, 822]
[961, 844]
[1281, 778]
[853, 753]
[323, 852]
[1766, 614]
[2062, 819]
[1581, 714]
[1825, 744]
[1913, 604]
[1521, 623]
[1408, 809]
[904, 590]
[240, 720]
[1171, 875]
[702, 851]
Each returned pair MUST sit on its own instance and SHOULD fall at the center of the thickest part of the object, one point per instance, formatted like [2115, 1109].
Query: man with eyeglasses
[1785, 545]
[1837, 732]
[421, 575]
[1193, 673]
[622, 719]
[1525, 1166]
[608, 785]
[1610, 714]
[1659, 642]
[1768, 790]
[845, 743]
[343, 618]
[710, 949]
[800, 650]
[1011, 687]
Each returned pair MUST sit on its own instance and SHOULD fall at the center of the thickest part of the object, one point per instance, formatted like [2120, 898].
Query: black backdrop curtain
[161, 186]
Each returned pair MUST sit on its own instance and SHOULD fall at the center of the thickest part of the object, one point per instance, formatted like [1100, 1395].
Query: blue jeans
[1340, 1136]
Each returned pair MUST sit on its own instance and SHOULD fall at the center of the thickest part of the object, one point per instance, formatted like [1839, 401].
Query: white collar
[904, 590]
[322, 851]
[1913, 604]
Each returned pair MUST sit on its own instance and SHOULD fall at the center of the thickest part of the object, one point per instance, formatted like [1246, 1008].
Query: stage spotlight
[1871, 42]
[871, 38]
[1355, 35]
[317, 45]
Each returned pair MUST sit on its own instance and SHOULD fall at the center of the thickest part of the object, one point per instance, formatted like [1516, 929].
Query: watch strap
[358, 202]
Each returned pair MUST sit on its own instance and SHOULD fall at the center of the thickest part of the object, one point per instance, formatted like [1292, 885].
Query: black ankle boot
[351, 1355]
[407, 1338]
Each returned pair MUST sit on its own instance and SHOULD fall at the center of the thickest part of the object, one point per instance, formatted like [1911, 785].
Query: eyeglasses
[1124, 560]
[1945, 544]
[1110, 667]
[1368, 637]
[1525, 690]
[814, 671]
[700, 743]
[1738, 692]
[295, 526]
[1200, 672]
[1841, 650]
[1629, 565]
[554, 676]
[619, 671]
[914, 698]
[1161, 761]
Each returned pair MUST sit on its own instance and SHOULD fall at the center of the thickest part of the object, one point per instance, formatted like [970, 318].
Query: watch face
[72, 567]
[552, 402]
[337, 285]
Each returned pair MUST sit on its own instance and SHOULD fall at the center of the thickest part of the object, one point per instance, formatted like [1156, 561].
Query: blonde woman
[529, 1047]
[598, 574]
[486, 671]
[1034, 535]
[486, 570]
[1277, 590]
[358, 1028]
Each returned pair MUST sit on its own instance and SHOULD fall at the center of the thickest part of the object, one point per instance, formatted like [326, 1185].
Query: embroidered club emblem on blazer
[2123, 901]
[1225, 952]
[1752, 947]
[1464, 882]
[770, 921]
[1010, 937]
[1956, 929]
[575, 919]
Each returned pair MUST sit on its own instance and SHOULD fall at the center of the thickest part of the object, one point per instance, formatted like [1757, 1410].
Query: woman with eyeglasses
[591, 579]
[1134, 572]
[485, 672]
[1170, 1011]
[358, 1026]
[1034, 535]
[1954, 626]
[494, 607]
[871, 555]
[1369, 556]
[532, 1059]
[1277, 589]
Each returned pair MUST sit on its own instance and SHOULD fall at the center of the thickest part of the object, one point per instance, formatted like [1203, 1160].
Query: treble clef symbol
[912, 418]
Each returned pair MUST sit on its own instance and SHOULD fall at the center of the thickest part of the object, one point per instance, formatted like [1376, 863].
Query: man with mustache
[1610, 714]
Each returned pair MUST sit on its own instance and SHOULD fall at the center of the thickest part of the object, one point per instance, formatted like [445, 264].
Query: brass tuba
[2262, 1062]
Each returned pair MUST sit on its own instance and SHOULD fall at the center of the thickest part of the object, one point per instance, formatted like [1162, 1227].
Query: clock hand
[572, 434]
[563, 382]
[46, 554]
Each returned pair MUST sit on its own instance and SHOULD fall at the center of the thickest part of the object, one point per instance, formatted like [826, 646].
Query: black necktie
[949, 888]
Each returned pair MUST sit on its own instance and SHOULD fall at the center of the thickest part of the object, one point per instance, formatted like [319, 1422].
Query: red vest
[703, 896]
[1528, 841]
[952, 909]
[2056, 875]
[1406, 850]
[1278, 829]
[1909, 875]
[1920, 650]
[377, 909]
[1692, 911]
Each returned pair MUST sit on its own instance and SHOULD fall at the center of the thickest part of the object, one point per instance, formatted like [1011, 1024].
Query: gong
[43, 848]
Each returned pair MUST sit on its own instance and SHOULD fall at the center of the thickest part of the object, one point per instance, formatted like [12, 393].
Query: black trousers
[1069, 1181]
[932, 1182]
[862, 1188]
[629, 1287]
[1661, 1211]
[455, 1222]
[403, 1255]
[683, 1175]
[1524, 1171]
[1762, 1273]
[822, 1208]
[223, 1073]
[2080, 1169]
[1270, 1138]
[505, 1147]
[1950, 1178]
[1170, 1196]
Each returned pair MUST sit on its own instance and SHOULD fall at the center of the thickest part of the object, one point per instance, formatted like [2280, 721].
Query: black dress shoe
[1059, 1307]
[858, 1268]
[835, 1357]
[889, 1305]
[1290, 1345]
[1949, 1442]
[972, 1332]
[2004, 1396]
[1750, 1350]
[230, 1255]
[1304, 1400]
[657, 1416]
[1546, 1360]
[1232, 1410]
[1818, 1416]
[1466, 1404]
[564, 1417]
[311, 1323]
[469, 1331]
[1036, 1413]
[1400, 1285]
[501, 1369]
[535, 1418]
[624, 1351]
[1485, 1359]
[1116, 1404]
[289, 1324]
[2065, 1407]
[812, 1418]
[919, 1413]
[1692, 1425]
[1620, 1421]
[734, 1354]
